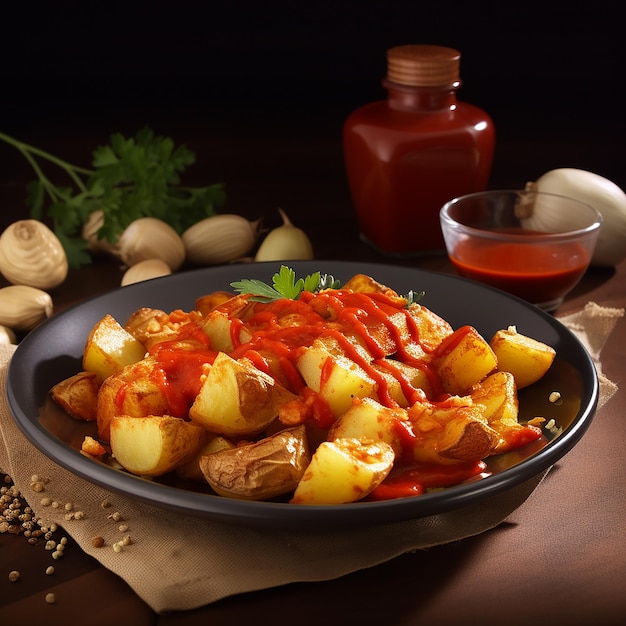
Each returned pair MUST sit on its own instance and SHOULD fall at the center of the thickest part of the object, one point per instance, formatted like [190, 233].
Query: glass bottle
[406, 156]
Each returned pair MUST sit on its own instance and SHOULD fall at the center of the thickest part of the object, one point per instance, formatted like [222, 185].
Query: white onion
[597, 191]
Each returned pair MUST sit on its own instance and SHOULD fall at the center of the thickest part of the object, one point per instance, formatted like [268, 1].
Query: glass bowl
[487, 241]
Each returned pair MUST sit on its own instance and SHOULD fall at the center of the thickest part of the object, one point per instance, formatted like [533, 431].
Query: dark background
[74, 72]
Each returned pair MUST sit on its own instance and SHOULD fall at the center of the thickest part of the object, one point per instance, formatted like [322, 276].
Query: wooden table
[560, 558]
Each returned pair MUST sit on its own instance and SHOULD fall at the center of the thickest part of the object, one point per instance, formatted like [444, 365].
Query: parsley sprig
[131, 178]
[284, 285]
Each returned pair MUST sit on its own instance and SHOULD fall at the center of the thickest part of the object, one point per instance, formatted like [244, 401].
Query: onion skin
[602, 194]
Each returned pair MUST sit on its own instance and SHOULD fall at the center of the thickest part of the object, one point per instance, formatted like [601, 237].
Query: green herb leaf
[284, 285]
[413, 297]
[131, 178]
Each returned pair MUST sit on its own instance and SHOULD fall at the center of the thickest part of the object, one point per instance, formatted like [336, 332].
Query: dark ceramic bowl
[53, 351]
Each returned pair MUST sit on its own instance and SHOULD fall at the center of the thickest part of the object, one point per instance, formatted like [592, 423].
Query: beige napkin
[178, 562]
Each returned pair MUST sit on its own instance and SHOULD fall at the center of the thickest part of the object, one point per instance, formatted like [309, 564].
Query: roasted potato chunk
[370, 420]
[336, 378]
[132, 391]
[78, 395]
[110, 348]
[344, 470]
[258, 471]
[464, 359]
[155, 444]
[237, 399]
[526, 358]
[449, 434]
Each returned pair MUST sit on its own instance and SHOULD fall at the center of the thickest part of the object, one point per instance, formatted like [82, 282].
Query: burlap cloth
[178, 562]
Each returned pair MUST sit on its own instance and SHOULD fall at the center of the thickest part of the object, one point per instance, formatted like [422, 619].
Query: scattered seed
[97, 542]
[14, 576]
[51, 598]
[50, 570]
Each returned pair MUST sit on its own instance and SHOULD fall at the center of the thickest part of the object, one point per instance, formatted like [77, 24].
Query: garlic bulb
[7, 336]
[31, 254]
[285, 243]
[220, 239]
[151, 238]
[23, 307]
[599, 192]
[144, 270]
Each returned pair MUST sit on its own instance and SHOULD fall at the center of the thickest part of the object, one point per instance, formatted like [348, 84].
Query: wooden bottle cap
[423, 65]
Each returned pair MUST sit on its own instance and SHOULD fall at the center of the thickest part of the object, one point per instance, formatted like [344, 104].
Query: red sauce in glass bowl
[537, 272]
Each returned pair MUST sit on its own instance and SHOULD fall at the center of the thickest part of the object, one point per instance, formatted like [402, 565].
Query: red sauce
[416, 479]
[278, 333]
[179, 375]
[537, 273]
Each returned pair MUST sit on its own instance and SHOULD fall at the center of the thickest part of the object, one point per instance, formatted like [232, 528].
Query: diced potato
[217, 326]
[77, 396]
[344, 470]
[448, 434]
[110, 348]
[153, 445]
[91, 447]
[133, 391]
[497, 395]
[526, 358]
[464, 359]
[398, 374]
[335, 377]
[431, 328]
[362, 283]
[370, 420]
[237, 399]
[210, 301]
[258, 471]
[213, 443]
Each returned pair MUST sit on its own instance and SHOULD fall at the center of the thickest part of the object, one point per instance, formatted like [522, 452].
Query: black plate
[53, 351]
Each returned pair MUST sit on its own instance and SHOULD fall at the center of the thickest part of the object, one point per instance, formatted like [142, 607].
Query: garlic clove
[7, 336]
[145, 270]
[151, 238]
[31, 254]
[94, 223]
[220, 239]
[23, 307]
[285, 243]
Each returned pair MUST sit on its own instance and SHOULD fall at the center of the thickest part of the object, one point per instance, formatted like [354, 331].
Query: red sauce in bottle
[406, 156]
